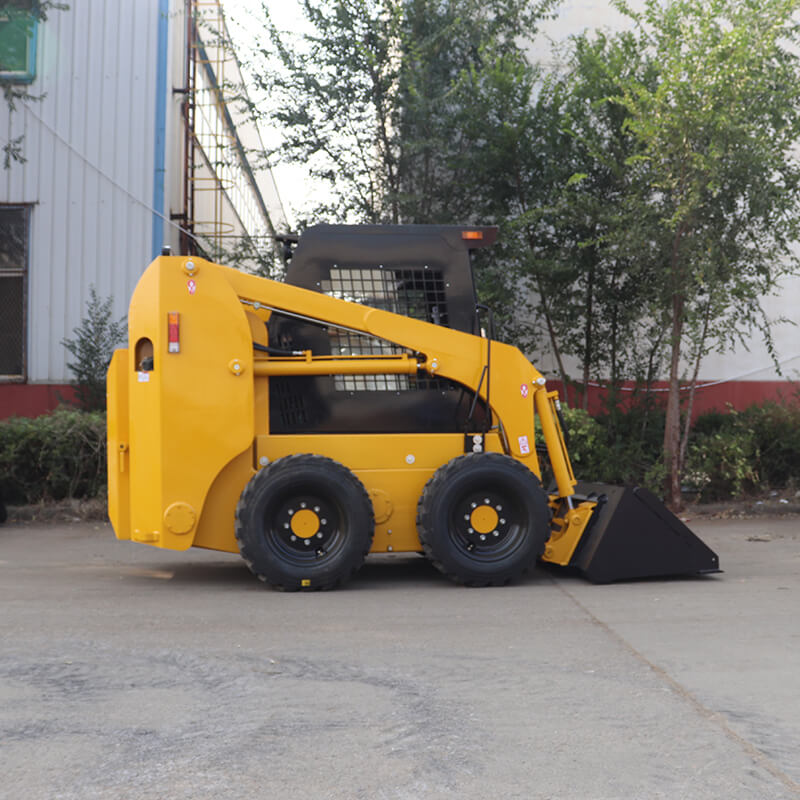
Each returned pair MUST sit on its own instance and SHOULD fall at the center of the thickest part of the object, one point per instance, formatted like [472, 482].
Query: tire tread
[299, 462]
[433, 487]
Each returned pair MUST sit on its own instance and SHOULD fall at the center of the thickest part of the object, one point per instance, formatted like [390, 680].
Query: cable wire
[598, 385]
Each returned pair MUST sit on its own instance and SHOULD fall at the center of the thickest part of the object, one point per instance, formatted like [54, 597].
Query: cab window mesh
[412, 292]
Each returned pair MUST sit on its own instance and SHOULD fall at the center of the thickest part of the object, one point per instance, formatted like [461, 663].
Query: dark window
[17, 41]
[13, 270]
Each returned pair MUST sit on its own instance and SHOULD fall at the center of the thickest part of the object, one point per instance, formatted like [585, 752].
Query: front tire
[483, 519]
[304, 522]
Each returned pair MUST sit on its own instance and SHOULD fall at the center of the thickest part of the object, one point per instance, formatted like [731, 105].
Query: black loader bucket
[633, 535]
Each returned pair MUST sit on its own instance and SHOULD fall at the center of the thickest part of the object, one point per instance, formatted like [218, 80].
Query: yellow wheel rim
[305, 523]
[484, 519]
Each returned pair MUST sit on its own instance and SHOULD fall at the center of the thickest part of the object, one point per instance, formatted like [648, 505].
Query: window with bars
[411, 291]
[13, 273]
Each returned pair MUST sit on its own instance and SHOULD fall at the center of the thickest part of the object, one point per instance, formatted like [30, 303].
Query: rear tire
[304, 522]
[483, 519]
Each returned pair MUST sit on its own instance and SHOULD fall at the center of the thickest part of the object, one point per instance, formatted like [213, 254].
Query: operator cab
[419, 271]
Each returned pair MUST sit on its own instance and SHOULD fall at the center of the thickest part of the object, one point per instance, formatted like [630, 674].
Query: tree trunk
[687, 426]
[672, 426]
[587, 331]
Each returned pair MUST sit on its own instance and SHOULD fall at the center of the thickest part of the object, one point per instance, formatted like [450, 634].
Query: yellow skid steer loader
[361, 406]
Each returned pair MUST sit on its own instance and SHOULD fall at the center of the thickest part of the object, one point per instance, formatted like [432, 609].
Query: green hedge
[618, 448]
[743, 452]
[731, 454]
[56, 456]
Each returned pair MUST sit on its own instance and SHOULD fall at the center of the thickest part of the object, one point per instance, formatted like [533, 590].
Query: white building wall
[89, 148]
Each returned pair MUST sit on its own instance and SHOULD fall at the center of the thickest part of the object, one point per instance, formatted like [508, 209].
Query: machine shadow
[383, 572]
[379, 572]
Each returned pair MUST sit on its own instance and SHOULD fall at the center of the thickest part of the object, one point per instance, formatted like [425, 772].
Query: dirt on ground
[73, 510]
[771, 505]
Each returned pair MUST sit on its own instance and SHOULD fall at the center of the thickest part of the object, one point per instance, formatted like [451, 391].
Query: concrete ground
[131, 672]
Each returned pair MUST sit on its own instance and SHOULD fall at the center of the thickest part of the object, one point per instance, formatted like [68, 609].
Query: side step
[633, 535]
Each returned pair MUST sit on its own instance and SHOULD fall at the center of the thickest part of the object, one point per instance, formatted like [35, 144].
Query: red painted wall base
[33, 399]
[738, 394]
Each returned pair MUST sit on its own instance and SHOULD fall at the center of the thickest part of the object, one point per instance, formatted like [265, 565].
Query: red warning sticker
[523, 390]
[191, 286]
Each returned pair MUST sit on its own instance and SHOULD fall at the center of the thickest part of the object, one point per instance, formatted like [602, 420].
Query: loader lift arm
[458, 356]
[443, 352]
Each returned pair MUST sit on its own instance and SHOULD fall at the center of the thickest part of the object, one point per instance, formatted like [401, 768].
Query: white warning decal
[524, 447]
[144, 377]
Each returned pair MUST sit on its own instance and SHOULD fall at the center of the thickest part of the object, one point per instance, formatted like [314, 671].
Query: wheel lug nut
[302, 505]
[502, 522]
[285, 524]
[495, 533]
[470, 530]
[290, 511]
[323, 521]
[316, 509]
[306, 542]
[466, 516]
[498, 508]
[319, 536]
[483, 537]
[474, 505]
[292, 538]
[486, 501]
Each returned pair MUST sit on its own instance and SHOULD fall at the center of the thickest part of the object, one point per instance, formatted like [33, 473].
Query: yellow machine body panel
[407, 463]
[118, 444]
[173, 443]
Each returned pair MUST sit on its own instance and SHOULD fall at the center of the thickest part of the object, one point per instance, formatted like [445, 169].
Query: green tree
[367, 99]
[548, 159]
[716, 172]
[447, 48]
[596, 286]
[333, 96]
[92, 347]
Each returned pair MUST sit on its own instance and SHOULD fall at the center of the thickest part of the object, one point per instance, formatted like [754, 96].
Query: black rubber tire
[263, 519]
[521, 531]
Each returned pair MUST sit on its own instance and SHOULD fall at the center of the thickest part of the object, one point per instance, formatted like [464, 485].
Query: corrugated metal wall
[89, 145]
